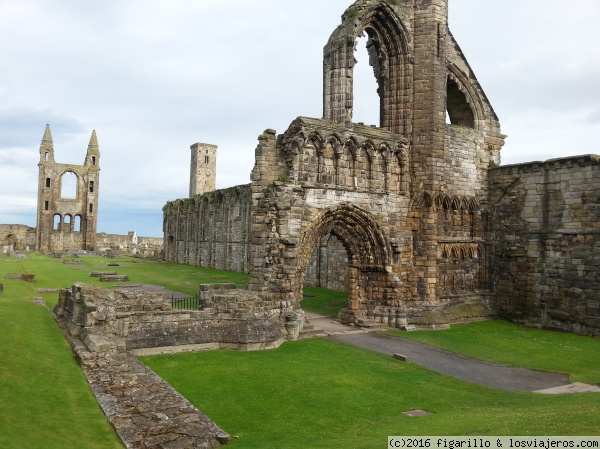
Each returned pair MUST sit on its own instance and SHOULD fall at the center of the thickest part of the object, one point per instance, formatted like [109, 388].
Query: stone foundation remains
[106, 327]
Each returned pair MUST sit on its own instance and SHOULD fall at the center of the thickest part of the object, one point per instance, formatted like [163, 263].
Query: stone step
[304, 335]
[371, 324]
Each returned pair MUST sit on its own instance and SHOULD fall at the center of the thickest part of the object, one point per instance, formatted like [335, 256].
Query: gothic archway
[366, 246]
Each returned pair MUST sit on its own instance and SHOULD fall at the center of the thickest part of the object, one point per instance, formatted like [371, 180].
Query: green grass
[316, 393]
[324, 394]
[323, 302]
[509, 344]
[45, 401]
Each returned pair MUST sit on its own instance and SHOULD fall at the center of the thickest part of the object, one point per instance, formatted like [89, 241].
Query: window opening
[459, 110]
[366, 101]
[93, 160]
[57, 222]
[91, 207]
[47, 182]
[77, 227]
[46, 205]
[91, 186]
[206, 159]
[68, 182]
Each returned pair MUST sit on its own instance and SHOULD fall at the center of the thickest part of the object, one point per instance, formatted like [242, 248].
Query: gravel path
[484, 373]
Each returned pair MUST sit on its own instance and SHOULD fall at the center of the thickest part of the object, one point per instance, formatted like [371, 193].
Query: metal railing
[187, 302]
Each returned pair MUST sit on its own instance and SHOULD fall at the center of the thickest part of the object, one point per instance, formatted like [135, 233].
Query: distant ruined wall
[16, 237]
[328, 265]
[546, 256]
[130, 245]
[210, 230]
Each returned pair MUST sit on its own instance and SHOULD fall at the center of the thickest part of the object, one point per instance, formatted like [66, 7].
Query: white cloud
[155, 76]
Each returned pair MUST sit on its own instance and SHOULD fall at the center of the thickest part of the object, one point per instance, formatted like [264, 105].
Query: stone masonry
[66, 222]
[544, 217]
[403, 200]
[409, 217]
[107, 328]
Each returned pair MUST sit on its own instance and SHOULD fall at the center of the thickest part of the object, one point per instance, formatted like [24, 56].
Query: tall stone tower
[203, 168]
[67, 221]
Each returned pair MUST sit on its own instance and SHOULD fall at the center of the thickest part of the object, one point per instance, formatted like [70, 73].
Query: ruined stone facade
[115, 245]
[398, 215]
[67, 221]
[16, 237]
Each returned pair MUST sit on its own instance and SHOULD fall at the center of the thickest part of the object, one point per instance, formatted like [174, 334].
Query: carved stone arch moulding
[364, 239]
[470, 93]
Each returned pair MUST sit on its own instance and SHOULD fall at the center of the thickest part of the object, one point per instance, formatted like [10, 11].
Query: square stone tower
[203, 168]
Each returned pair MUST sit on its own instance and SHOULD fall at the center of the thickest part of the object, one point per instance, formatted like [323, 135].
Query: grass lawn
[509, 344]
[324, 394]
[45, 401]
[323, 302]
[310, 394]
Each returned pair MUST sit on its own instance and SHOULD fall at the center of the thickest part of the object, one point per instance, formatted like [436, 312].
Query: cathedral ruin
[67, 217]
[414, 218]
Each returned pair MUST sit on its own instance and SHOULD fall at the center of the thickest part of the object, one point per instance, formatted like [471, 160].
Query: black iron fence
[187, 302]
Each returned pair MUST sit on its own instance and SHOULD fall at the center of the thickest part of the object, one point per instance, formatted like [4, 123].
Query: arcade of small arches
[349, 163]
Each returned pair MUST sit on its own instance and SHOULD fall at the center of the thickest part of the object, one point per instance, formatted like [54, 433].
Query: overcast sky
[153, 77]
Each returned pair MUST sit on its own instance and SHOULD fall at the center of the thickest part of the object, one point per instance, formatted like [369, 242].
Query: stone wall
[210, 230]
[328, 265]
[15, 237]
[145, 410]
[546, 255]
[130, 245]
[140, 319]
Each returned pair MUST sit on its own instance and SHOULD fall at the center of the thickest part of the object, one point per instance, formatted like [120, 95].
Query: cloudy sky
[153, 77]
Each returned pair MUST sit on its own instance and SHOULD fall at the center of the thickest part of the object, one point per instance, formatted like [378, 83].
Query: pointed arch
[389, 50]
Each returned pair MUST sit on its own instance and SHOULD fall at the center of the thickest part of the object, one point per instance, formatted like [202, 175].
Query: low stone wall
[107, 327]
[140, 319]
[145, 411]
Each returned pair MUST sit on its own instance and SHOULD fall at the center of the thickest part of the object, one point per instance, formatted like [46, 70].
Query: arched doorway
[11, 242]
[367, 251]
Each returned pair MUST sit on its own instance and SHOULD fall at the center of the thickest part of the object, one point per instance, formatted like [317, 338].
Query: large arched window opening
[459, 111]
[366, 100]
[68, 185]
